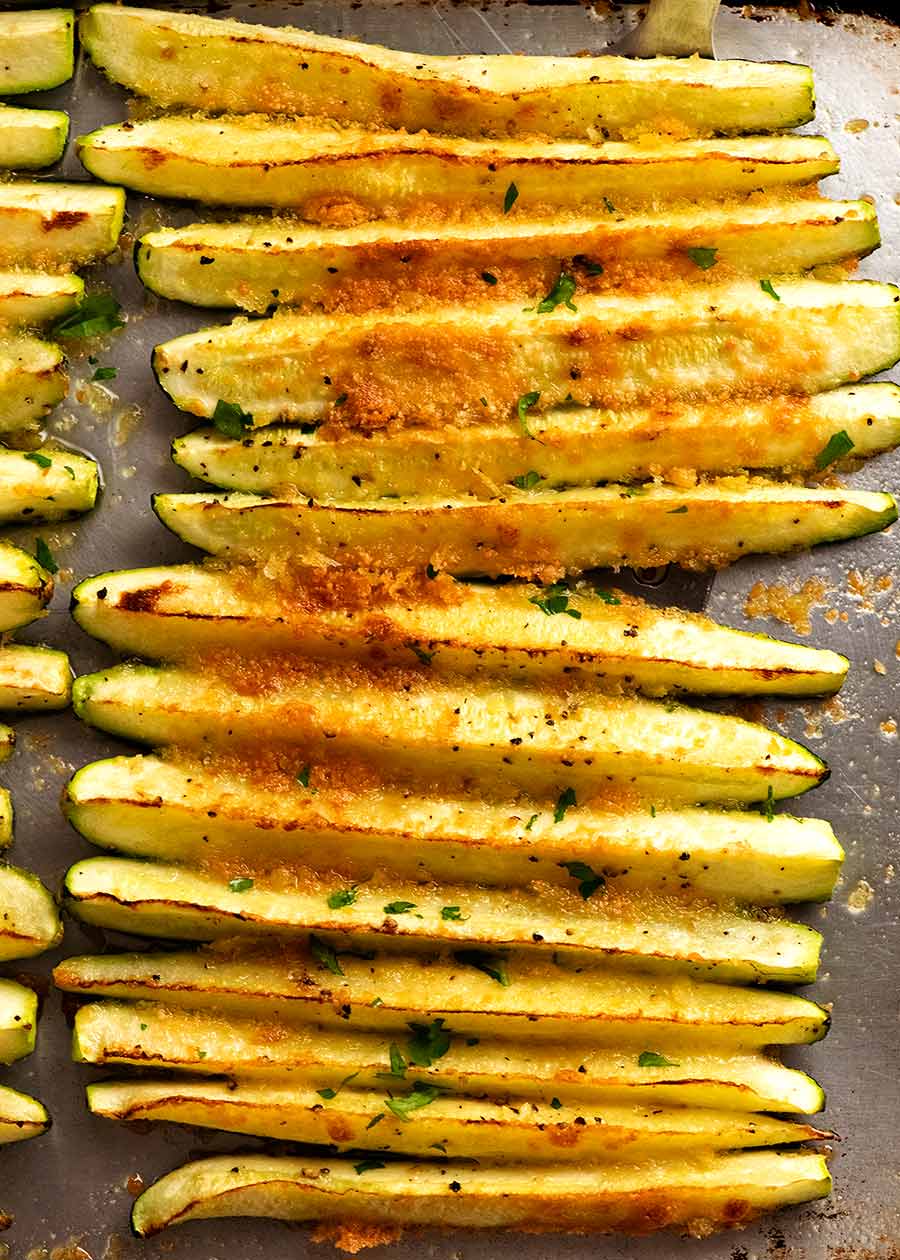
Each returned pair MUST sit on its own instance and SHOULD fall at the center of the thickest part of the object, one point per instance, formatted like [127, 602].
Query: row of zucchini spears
[461, 865]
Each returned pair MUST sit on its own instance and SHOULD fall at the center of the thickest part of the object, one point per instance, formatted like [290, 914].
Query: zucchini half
[146, 1034]
[36, 49]
[254, 265]
[574, 446]
[25, 587]
[695, 1196]
[32, 299]
[541, 738]
[29, 919]
[451, 366]
[34, 677]
[46, 484]
[21, 1117]
[192, 812]
[532, 535]
[518, 1130]
[542, 1001]
[18, 1021]
[32, 380]
[173, 613]
[50, 226]
[30, 138]
[655, 932]
[224, 65]
[7, 747]
[302, 165]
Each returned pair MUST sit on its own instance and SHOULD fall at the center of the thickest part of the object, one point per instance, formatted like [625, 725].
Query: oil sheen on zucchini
[571, 446]
[443, 365]
[306, 166]
[175, 612]
[692, 1195]
[601, 1006]
[36, 49]
[224, 65]
[462, 726]
[258, 264]
[46, 484]
[32, 380]
[51, 226]
[25, 587]
[30, 138]
[34, 677]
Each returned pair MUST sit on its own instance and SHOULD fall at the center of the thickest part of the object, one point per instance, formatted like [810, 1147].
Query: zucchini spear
[25, 587]
[36, 49]
[541, 738]
[517, 1130]
[18, 1020]
[50, 226]
[32, 380]
[532, 535]
[655, 932]
[572, 446]
[31, 299]
[695, 1196]
[46, 485]
[193, 812]
[21, 1117]
[147, 1034]
[255, 265]
[592, 1007]
[224, 65]
[30, 138]
[29, 920]
[34, 677]
[175, 612]
[500, 363]
[306, 166]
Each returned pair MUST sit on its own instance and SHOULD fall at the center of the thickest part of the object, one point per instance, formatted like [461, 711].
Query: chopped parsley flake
[44, 556]
[328, 1093]
[425, 657]
[511, 196]
[560, 295]
[554, 599]
[488, 277]
[769, 806]
[368, 1165]
[37, 458]
[240, 885]
[375, 1120]
[608, 205]
[679, 511]
[399, 907]
[766, 286]
[703, 257]
[493, 965]
[428, 1043]
[453, 913]
[527, 481]
[589, 880]
[342, 897]
[420, 1097]
[586, 264]
[105, 374]
[555, 1104]
[523, 406]
[567, 801]
[837, 446]
[303, 777]
[650, 1058]
[531, 821]
[231, 419]
[99, 313]
[323, 953]
[607, 596]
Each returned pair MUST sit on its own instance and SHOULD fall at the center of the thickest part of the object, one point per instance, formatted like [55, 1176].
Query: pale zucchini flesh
[519, 1130]
[32, 380]
[542, 536]
[177, 612]
[255, 265]
[7, 743]
[25, 587]
[443, 365]
[602, 1006]
[18, 1020]
[191, 812]
[36, 49]
[457, 728]
[34, 677]
[46, 485]
[255, 161]
[32, 299]
[572, 446]
[29, 919]
[225, 65]
[693, 1196]
[644, 928]
[51, 226]
[150, 1035]
[6, 819]
[30, 138]
[21, 1117]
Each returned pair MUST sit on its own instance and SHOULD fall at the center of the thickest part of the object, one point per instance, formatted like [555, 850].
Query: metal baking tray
[70, 1189]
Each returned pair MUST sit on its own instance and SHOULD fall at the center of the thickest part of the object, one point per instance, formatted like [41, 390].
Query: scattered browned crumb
[879, 667]
[889, 727]
[791, 607]
[354, 1236]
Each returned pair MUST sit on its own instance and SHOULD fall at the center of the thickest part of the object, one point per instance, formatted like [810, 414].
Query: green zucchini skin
[25, 587]
[539, 536]
[66, 487]
[223, 65]
[31, 138]
[255, 265]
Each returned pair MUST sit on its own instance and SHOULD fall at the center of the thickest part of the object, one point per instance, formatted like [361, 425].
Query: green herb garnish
[531, 821]
[425, 657]
[766, 286]
[592, 268]
[37, 458]
[703, 257]
[399, 907]
[607, 596]
[420, 1097]
[231, 419]
[342, 897]
[488, 277]
[589, 881]
[493, 965]
[453, 913]
[560, 295]
[769, 806]
[368, 1165]
[837, 446]
[566, 802]
[96, 314]
[240, 885]
[650, 1058]
[323, 953]
[428, 1043]
[328, 1093]
[44, 556]
[527, 481]
[510, 198]
[555, 1104]
[105, 374]
[525, 403]
[554, 599]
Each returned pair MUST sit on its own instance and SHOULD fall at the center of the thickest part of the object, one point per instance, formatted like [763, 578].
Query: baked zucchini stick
[29, 920]
[192, 812]
[21, 1117]
[30, 138]
[542, 1001]
[215, 64]
[155, 899]
[50, 226]
[305, 166]
[32, 299]
[25, 587]
[34, 677]
[574, 446]
[541, 536]
[541, 738]
[36, 49]
[32, 380]
[518, 1130]
[445, 366]
[694, 1196]
[18, 1020]
[175, 612]
[147, 1034]
[255, 265]
[46, 485]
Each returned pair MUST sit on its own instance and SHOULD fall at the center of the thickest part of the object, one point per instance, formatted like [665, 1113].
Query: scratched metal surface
[70, 1186]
